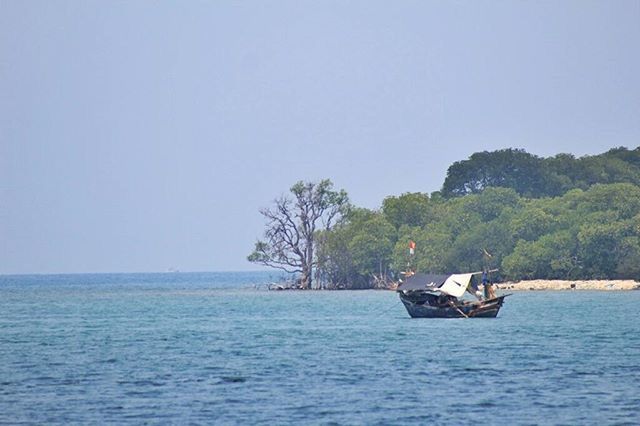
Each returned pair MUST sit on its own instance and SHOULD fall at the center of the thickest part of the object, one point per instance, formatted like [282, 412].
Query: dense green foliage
[535, 177]
[555, 218]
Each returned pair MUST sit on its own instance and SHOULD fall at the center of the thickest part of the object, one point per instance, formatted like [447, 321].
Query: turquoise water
[211, 348]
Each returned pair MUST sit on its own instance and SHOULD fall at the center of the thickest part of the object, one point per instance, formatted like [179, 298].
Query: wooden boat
[440, 296]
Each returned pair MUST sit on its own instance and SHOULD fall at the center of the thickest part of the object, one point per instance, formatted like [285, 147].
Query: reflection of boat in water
[440, 296]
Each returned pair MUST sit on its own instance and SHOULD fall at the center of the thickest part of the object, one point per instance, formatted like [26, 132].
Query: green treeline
[534, 177]
[549, 218]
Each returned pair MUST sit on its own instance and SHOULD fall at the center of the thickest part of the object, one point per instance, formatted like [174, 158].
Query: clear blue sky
[145, 135]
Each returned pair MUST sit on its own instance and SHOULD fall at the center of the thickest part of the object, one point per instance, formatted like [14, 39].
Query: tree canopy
[534, 177]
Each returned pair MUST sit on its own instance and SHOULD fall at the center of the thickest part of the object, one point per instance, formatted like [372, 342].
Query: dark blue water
[210, 348]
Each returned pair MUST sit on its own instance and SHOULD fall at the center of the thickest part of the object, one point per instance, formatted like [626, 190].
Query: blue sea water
[211, 348]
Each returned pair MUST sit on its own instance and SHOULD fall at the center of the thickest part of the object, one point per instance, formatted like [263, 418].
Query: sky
[146, 135]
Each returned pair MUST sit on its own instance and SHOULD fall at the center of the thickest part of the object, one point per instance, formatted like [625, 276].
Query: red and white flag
[412, 247]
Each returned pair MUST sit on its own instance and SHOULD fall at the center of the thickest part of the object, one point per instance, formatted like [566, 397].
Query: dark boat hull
[481, 309]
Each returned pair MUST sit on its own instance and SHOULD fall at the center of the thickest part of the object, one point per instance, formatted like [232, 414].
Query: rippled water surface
[211, 348]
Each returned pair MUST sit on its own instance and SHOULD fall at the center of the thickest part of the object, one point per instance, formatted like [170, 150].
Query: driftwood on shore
[554, 285]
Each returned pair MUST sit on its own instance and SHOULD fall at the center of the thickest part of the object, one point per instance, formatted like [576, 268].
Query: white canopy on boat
[456, 284]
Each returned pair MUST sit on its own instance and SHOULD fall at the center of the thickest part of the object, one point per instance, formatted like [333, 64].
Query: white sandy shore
[570, 285]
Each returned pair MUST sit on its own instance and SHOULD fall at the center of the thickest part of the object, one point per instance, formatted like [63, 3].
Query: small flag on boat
[412, 247]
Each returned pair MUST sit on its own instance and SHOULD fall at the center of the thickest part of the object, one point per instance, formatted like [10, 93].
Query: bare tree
[289, 238]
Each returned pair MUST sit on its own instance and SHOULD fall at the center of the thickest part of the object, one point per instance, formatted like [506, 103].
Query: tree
[530, 223]
[335, 260]
[411, 209]
[372, 246]
[292, 224]
[356, 253]
[508, 168]
[431, 250]
[553, 256]
[598, 248]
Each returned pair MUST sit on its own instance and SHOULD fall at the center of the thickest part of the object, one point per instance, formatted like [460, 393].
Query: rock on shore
[570, 285]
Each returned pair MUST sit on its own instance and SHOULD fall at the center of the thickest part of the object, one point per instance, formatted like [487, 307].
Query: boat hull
[481, 309]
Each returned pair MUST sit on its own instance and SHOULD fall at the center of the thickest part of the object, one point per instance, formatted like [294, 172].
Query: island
[544, 223]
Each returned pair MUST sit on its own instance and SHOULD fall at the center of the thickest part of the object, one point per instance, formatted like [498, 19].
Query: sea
[219, 348]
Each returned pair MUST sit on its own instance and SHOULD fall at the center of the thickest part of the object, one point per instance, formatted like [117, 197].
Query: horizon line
[2, 274]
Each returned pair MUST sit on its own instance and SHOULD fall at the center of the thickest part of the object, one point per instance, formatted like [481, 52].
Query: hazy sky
[145, 135]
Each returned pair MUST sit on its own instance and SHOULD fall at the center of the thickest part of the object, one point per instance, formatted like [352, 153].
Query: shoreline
[563, 285]
[525, 285]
